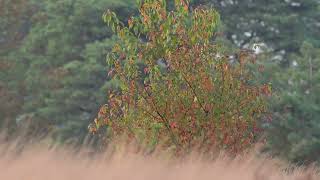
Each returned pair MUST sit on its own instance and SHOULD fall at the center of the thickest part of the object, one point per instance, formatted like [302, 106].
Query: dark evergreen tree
[294, 131]
[62, 61]
[282, 25]
[14, 25]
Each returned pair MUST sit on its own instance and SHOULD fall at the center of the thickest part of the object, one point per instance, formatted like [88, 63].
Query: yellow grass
[42, 163]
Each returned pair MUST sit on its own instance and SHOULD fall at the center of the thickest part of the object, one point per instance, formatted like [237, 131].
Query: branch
[195, 95]
[165, 120]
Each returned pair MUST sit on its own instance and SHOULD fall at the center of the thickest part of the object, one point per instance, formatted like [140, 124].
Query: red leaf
[173, 125]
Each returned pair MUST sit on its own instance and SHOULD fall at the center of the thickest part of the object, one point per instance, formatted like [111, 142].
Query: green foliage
[14, 16]
[177, 87]
[60, 67]
[294, 132]
[14, 22]
[281, 25]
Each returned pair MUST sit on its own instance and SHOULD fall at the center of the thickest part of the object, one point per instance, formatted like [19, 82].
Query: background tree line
[54, 76]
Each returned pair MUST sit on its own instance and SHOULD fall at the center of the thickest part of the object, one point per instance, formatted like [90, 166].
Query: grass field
[40, 163]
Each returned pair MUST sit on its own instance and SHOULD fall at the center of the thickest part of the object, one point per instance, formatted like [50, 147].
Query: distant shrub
[177, 87]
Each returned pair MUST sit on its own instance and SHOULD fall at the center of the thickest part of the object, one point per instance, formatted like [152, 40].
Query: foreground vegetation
[40, 163]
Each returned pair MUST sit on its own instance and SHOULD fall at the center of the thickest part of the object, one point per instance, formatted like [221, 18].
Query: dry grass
[40, 163]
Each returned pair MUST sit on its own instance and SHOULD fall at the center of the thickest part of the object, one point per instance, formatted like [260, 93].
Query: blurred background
[53, 70]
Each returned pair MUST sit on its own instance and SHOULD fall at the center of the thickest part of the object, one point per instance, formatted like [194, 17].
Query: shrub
[176, 85]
